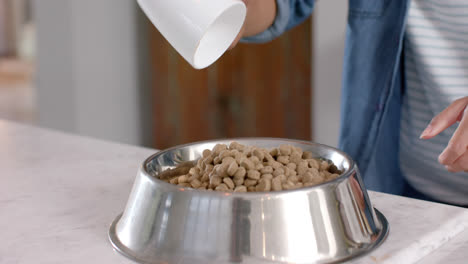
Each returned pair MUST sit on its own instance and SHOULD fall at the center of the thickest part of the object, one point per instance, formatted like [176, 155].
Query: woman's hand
[455, 155]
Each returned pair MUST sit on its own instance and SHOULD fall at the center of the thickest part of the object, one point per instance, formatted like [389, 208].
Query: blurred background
[100, 69]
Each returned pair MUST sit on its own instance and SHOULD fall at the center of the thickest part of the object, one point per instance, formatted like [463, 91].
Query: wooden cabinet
[254, 90]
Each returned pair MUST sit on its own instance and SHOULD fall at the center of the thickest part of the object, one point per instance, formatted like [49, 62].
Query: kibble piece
[208, 160]
[247, 151]
[266, 170]
[288, 185]
[238, 181]
[194, 170]
[250, 182]
[238, 157]
[317, 181]
[215, 181]
[240, 189]
[279, 171]
[228, 160]
[274, 152]
[269, 158]
[333, 176]
[199, 163]
[293, 179]
[276, 165]
[235, 145]
[195, 183]
[184, 184]
[264, 185]
[218, 148]
[205, 177]
[295, 158]
[212, 174]
[285, 150]
[259, 166]
[195, 176]
[307, 155]
[183, 179]
[240, 173]
[283, 178]
[217, 160]
[314, 172]
[313, 163]
[251, 189]
[190, 178]
[232, 169]
[297, 150]
[325, 174]
[324, 165]
[224, 153]
[253, 174]
[292, 166]
[283, 159]
[333, 169]
[255, 160]
[222, 171]
[267, 176]
[202, 165]
[221, 187]
[302, 167]
[276, 184]
[259, 154]
[247, 164]
[230, 184]
[307, 177]
[209, 168]
[174, 180]
[292, 173]
[206, 153]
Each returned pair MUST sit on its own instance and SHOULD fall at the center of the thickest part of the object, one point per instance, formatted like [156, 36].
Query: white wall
[328, 48]
[91, 69]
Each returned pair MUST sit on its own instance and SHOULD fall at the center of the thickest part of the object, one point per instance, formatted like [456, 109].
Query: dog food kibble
[239, 168]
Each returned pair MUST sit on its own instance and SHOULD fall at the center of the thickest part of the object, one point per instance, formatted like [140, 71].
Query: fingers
[446, 118]
[461, 164]
[457, 145]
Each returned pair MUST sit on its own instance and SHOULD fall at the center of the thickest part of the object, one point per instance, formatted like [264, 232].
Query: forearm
[268, 19]
[260, 16]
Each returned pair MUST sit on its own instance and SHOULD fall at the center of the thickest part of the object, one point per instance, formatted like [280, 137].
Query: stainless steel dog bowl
[327, 223]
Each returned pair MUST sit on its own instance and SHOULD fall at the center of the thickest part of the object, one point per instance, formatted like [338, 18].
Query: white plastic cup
[200, 30]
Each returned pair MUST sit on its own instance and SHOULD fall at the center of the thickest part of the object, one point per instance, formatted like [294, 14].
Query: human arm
[268, 19]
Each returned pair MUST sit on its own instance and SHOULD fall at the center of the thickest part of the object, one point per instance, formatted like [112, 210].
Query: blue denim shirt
[373, 83]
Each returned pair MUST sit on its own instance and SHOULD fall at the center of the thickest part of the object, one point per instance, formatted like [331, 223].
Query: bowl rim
[172, 187]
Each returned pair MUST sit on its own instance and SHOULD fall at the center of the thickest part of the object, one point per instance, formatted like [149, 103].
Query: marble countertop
[60, 192]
